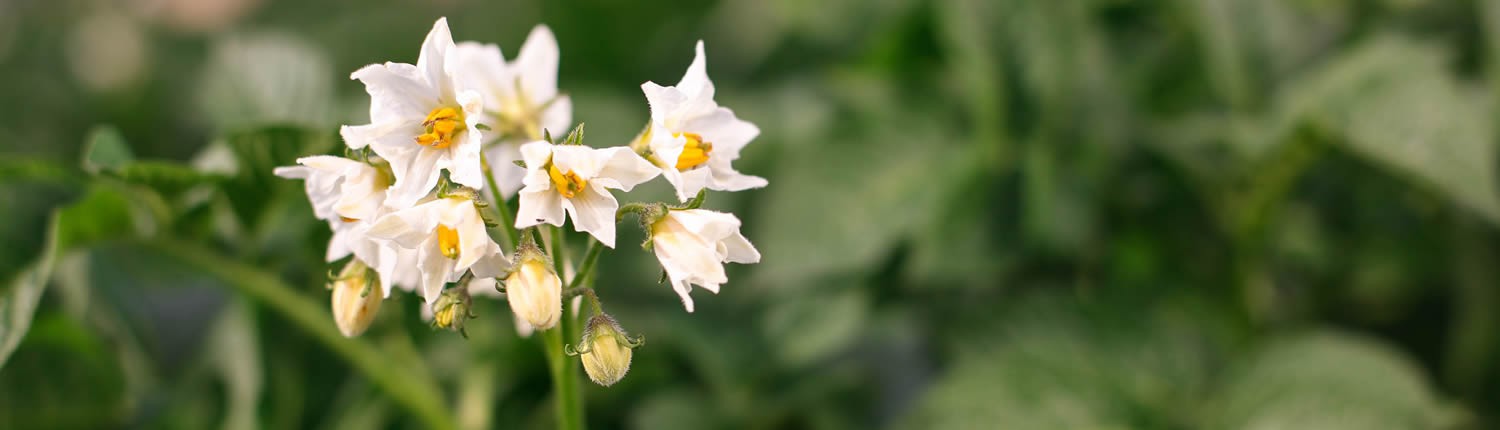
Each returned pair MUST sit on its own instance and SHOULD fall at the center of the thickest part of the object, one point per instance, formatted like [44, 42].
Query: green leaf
[19, 300]
[1329, 381]
[105, 213]
[844, 204]
[1395, 103]
[105, 150]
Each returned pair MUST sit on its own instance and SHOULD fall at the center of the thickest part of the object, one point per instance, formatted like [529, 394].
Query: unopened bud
[605, 350]
[534, 290]
[355, 301]
[451, 309]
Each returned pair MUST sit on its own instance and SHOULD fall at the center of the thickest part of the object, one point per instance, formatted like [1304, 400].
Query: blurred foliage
[982, 214]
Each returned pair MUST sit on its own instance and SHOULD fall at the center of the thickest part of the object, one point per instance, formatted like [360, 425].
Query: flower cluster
[457, 137]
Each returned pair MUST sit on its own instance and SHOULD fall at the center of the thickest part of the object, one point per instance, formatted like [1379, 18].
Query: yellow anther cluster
[447, 241]
[695, 153]
[568, 184]
[440, 126]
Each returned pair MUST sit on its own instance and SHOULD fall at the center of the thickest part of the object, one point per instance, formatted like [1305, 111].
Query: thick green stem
[422, 397]
[567, 401]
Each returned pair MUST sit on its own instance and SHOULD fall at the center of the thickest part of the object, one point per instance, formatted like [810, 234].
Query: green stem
[507, 225]
[587, 269]
[421, 396]
[568, 402]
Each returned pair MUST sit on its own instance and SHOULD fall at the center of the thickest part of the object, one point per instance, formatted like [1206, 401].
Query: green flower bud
[451, 309]
[606, 350]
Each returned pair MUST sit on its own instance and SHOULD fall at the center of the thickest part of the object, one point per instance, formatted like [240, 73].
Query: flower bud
[451, 309]
[606, 350]
[355, 301]
[533, 289]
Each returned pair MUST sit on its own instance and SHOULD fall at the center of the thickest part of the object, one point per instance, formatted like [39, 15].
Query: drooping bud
[355, 301]
[533, 289]
[606, 350]
[451, 309]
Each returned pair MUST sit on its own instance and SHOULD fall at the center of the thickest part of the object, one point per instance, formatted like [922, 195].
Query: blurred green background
[1101, 214]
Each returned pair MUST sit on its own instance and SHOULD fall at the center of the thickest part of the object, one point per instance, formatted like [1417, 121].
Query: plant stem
[568, 402]
[507, 225]
[421, 396]
[587, 269]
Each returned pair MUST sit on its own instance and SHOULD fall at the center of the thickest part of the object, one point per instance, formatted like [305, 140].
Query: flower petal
[398, 92]
[695, 83]
[539, 207]
[432, 62]
[593, 212]
[536, 64]
[625, 167]
[416, 176]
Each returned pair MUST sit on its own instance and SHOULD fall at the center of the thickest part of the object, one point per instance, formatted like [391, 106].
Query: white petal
[415, 177]
[474, 239]
[433, 60]
[626, 168]
[691, 182]
[539, 207]
[593, 211]
[664, 101]
[727, 179]
[491, 265]
[397, 91]
[559, 116]
[695, 83]
[408, 227]
[728, 133]
[683, 288]
[737, 249]
[536, 64]
[435, 269]
[581, 160]
[706, 223]
[292, 172]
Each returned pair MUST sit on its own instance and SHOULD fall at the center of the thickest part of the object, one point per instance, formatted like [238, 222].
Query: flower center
[568, 184]
[447, 241]
[440, 126]
[695, 153]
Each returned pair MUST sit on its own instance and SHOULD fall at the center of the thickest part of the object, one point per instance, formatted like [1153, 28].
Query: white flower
[421, 120]
[449, 237]
[693, 139]
[534, 290]
[349, 195]
[520, 99]
[577, 179]
[693, 246]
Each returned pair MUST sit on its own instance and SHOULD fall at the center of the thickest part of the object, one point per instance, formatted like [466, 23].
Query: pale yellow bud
[535, 293]
[356, 298]
[606, 350]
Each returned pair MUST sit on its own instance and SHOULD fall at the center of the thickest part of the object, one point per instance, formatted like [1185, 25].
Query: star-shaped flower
[422, 120]
[576, 179]
[693, 245]
[449, 237]
[692, 139]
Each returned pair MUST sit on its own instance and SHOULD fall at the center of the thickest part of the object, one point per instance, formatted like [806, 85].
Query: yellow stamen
[447, 241]
[347, 219]
[441, 125]
[568, 184]
[695, 153]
